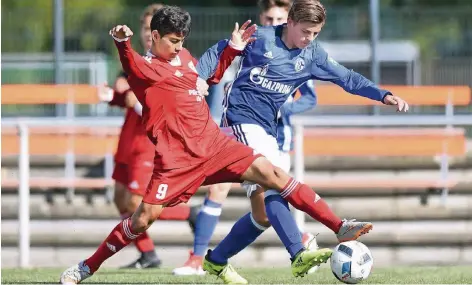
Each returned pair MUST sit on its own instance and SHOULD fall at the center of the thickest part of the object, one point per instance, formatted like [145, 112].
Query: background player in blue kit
[281, 60]
[273, 12]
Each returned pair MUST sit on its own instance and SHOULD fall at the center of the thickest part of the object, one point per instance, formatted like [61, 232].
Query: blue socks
[205, 226]
[242, 234]
[284, 224]
[247, 230]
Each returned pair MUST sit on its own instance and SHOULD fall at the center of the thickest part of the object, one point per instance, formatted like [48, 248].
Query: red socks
[119, 237]
[144, 243]
[302, 197]
[177, 213]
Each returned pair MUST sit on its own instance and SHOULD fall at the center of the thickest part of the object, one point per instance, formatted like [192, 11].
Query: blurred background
[409, 174]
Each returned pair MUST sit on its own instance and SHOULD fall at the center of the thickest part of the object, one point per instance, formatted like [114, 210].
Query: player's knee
[264, 169]
[261, 219]
[279, 173]
[271, 176]
[219, 192]
[258, 211]
[142, 218]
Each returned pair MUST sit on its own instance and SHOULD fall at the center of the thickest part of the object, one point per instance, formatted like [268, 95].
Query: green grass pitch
[396, 275]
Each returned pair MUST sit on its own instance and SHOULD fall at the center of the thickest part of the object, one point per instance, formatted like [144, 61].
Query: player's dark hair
[307, 11]
[171, 19]
[265, 5]
[150, 11]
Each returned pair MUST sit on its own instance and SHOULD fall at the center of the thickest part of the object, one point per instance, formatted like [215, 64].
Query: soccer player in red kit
[135, 154]
[190, 149]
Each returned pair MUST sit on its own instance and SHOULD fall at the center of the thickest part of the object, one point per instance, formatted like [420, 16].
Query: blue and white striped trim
[239, 134]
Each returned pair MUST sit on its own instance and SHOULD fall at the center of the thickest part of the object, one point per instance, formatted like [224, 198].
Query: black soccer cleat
[144, 263]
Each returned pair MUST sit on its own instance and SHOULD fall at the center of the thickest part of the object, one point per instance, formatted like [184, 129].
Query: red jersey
[125, 142]
[177, 119]
[133, 139]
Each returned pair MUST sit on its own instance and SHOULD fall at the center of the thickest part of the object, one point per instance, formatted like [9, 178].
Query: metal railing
[23, 126]
[300, 122]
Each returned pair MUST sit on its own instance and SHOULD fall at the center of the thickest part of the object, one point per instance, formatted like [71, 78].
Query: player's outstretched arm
[133, 63]
[116, 95]
[306, 102]
[327, 69]
[214, 62]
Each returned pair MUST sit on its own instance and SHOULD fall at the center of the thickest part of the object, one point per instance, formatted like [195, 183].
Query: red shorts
[120, 173]
[140, 171]
[174, 186]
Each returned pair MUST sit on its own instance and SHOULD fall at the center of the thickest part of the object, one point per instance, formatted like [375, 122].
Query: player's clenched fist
[121, 32]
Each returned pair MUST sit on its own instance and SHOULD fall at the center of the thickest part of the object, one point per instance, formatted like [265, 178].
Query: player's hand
[243, 36]
[121, 32]
[202, 87]
[105, 93]
[402, 105]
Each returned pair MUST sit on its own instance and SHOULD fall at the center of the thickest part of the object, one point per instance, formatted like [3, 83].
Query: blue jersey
[269, 73]
[291, 107]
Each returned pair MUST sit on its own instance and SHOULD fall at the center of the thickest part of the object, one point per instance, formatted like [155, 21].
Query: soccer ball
[351, 262]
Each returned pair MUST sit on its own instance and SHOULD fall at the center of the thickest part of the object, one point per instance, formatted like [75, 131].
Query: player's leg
[167, 187]
[139, 175]
[144, 243]
[303, 198]
[120, 176]
[276, 210]
[308, 239]
[244, 232]
[205, 225]
[238, 159]
[249, 227]
[123, 234]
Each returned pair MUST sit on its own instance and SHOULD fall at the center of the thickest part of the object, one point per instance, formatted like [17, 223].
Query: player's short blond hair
[265, 5]
[307, 11]
[150, 11]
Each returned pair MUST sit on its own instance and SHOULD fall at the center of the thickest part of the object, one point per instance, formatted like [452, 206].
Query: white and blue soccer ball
[351, 262]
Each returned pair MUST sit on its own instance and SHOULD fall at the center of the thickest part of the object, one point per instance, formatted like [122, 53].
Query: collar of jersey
[149, 53]
[278, 34]
[178, 63]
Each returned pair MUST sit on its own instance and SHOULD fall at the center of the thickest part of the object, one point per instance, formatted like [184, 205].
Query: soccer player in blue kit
[272, 13]
[281, 59]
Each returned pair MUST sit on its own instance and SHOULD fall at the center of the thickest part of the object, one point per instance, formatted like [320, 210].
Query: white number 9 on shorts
[161, 191]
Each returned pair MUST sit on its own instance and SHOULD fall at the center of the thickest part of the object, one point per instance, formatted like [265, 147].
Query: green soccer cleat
[225, 272]
[307, 259]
